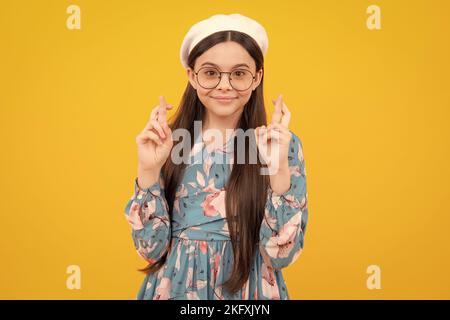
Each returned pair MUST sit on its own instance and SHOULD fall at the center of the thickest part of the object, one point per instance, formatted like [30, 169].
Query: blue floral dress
[197, 239]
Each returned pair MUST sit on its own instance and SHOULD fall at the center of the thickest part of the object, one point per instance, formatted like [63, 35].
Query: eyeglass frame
[220, 78]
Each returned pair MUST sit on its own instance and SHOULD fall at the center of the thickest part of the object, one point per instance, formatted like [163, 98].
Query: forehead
[226, 55]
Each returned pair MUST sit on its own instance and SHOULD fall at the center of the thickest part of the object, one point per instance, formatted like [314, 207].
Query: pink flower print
[214, 204]
[133, 217]
[292, 201]
[294, 170]
[200, 179]
[300, 152]
[182, 192]
[163, 290]
[192, 295]
[211, 188]
[179, 194]
[177, 261]
[148, 210]
[201, 284]
[270, 220]
[207, 165]
[269, 283]
[218, 292]
[203, 246]
[268, 274]
[190, 278]
[280, 246]
[160, 222]
[289, 229]
[245, 291]
[285, 249]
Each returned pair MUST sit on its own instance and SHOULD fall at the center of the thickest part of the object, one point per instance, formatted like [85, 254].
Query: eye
[211, 73]
[239, 73]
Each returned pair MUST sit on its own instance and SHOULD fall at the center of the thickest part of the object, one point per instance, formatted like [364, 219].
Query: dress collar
[207, 148]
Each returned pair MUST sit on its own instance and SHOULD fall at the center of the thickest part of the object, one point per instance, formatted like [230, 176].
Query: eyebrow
[237, 65]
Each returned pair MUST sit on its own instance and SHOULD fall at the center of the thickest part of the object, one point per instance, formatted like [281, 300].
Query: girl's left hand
[273, 140]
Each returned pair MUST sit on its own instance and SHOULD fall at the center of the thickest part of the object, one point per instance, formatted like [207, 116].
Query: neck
[225, 125]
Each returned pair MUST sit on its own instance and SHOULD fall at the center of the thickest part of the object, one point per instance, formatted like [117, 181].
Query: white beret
[222, 22]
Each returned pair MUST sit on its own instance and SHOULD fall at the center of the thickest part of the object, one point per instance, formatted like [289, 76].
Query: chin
[221, 112]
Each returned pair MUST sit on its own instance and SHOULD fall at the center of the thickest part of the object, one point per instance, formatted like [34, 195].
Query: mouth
[224, 98]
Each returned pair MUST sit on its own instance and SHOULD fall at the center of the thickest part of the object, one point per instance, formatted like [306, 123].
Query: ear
[191, 77]
[258, 78]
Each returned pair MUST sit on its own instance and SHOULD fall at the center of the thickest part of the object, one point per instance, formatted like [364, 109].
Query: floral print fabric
[197, 239]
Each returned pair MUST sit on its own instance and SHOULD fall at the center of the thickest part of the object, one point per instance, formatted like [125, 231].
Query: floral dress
[197, 239]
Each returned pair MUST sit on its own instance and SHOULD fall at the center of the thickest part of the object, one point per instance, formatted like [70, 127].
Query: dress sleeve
[283, 227]
[147, 213]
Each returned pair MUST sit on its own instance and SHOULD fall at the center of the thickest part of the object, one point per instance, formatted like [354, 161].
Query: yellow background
[371, 107]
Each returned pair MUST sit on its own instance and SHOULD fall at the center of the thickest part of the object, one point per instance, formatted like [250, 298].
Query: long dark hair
[246, 188]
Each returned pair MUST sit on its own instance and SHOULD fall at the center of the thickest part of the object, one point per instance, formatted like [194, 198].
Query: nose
[224, 82]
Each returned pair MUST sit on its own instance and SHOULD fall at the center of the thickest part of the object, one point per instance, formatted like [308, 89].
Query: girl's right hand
[154, 143]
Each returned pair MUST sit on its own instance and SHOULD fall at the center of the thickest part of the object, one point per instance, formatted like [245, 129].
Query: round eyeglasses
[209, 78]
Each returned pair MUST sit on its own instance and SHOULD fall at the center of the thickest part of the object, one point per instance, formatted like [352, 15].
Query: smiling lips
[224, 98]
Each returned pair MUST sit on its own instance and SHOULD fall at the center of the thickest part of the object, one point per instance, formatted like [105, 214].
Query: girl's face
[225, 57]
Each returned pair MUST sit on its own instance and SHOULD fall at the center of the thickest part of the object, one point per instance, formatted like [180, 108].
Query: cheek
[245, 96]
[203, 95]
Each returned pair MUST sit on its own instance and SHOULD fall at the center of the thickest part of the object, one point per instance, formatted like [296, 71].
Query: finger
[150, 126]
[153, 137]
[166, 129]
[276, 115]
[261, 132]
[154, 114]
[158, 128]
[155, 111]
[255, 133]
[274, 135]
[286, 115]
[264, 136]
[258, 132]
[162, 114]
[279, 127]
[285, 133]
[145, 136]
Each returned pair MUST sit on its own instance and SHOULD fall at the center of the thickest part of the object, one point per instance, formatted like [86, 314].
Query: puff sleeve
[147, 213]
[283, 228]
